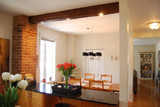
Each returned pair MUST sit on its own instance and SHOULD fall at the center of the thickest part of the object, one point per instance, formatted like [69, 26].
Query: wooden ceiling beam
[110, 8]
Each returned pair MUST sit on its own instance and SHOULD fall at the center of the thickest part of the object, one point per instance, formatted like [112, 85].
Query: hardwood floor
[148, 94]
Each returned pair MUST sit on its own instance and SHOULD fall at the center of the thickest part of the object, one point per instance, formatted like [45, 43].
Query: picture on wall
[4, 56]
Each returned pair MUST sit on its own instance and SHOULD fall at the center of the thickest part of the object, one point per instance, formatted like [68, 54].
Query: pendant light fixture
[91, 53]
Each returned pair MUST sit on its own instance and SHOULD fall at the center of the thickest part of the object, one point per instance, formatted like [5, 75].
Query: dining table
[110, 87]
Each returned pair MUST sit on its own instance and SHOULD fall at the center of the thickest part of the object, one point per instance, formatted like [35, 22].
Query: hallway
[148, 94]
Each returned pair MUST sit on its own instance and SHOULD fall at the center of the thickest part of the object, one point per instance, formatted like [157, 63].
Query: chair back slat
[75, 80]
[106, 76]
[93, 82]
[90, 75]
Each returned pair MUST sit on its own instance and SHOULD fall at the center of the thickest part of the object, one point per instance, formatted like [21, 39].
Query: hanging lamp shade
[98, 53]
[90, 53]
[85, 54]
[94, 54]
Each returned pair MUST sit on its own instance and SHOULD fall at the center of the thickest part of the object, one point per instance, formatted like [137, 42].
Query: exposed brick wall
[24, 46]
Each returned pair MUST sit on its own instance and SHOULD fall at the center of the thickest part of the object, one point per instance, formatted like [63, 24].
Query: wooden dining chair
[91, 76]
[96, 84]
[75, 81]
[106, 78]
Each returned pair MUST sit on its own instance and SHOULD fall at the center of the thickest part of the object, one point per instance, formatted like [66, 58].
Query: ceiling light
[100, 14]
[67, 18]
[154, 25]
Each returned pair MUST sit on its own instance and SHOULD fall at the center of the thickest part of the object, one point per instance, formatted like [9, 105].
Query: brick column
[24, 46]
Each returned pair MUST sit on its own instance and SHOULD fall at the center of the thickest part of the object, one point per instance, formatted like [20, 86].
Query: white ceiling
[36, 7]
[146, 41]
[143, 12]
[100, 25]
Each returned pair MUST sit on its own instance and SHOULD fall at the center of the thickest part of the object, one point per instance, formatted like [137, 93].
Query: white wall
[61, 47]
[142, 48]
[126, 54]
[71, 47]
[108, 42]
[157, 48]
[6, 29]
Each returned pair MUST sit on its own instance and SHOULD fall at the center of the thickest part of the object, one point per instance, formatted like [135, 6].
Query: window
[47, 60]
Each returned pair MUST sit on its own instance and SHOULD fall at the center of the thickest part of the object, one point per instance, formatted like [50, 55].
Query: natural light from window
[47, 60]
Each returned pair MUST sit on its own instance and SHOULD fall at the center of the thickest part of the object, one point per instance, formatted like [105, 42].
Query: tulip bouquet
[11, 93]
[67, 70]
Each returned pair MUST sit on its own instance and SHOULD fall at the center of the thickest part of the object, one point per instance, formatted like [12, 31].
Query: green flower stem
[66, 82]
[10, 85]
[6, 85]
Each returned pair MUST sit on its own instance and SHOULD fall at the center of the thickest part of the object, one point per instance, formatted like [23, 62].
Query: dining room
[92, 44]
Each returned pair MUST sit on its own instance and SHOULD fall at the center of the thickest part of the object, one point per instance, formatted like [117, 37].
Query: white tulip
[5, 76]
[23, 84]
[18, 77]
[12, 78]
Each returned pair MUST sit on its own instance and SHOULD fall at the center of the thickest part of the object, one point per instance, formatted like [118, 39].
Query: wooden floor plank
[148, 94]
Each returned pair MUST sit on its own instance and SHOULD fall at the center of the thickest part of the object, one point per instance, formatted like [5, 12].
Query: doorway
[146, 69]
